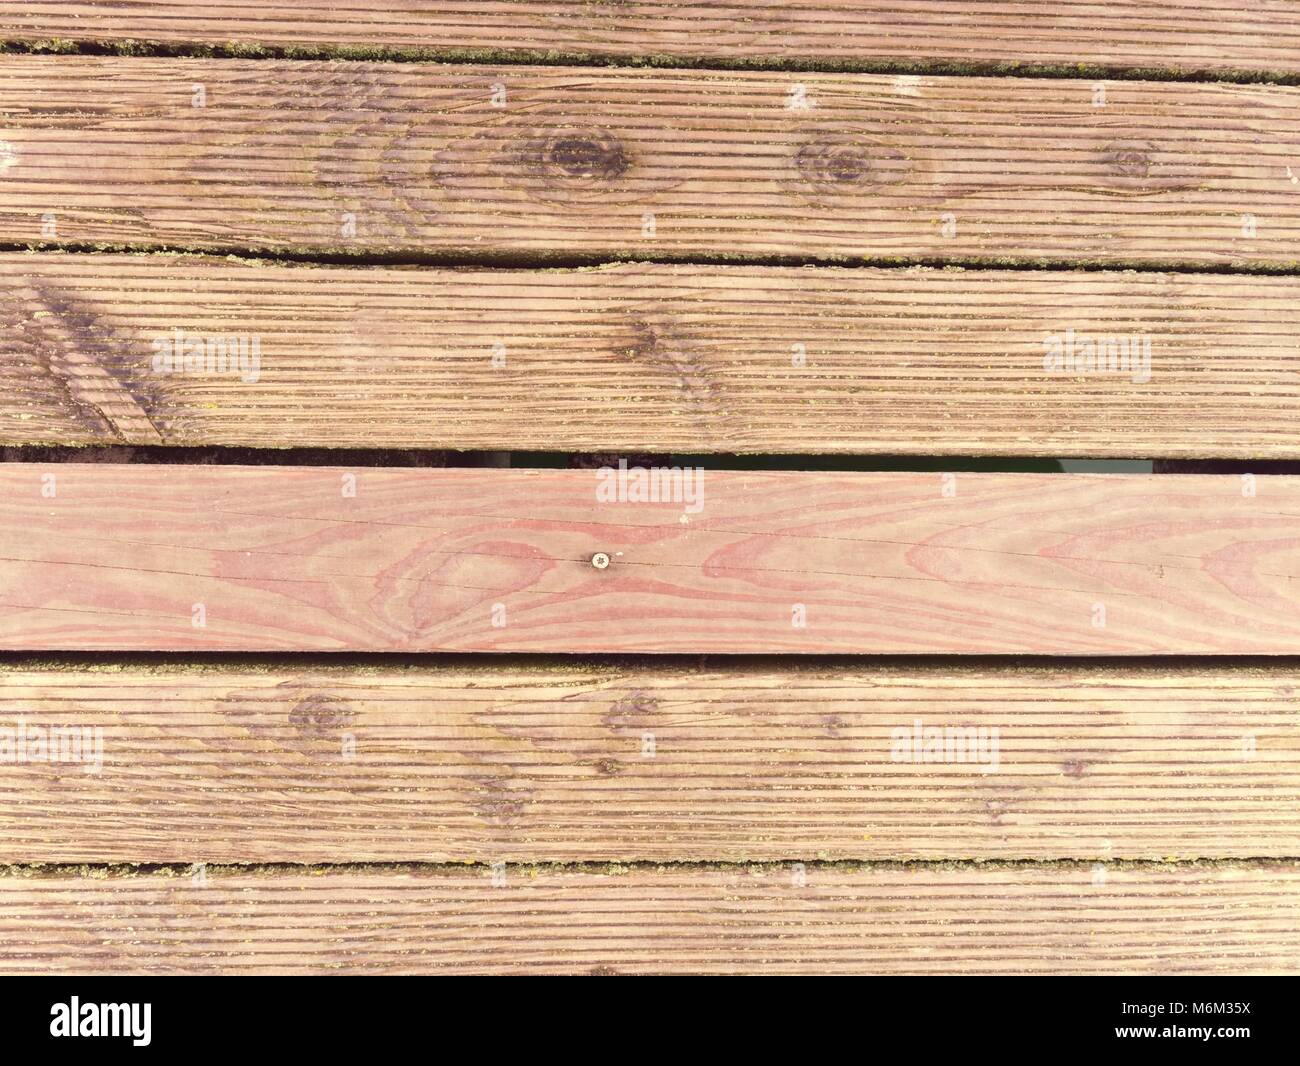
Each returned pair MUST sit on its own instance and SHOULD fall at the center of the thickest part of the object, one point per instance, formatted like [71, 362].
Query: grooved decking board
[295, 155]
[926, 920]
[279, 558]
[1256, 35]
[647, 357]
[563, 763]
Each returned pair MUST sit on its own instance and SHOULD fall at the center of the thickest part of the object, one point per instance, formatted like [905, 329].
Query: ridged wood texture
[1201, 919]
[560, 763]
[1177, 35]
[418, 159]
[644, 357]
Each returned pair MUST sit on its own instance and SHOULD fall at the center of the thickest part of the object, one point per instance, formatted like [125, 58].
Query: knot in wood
[1130, 160]
[833, 164]
[587, 155]
[320, 714]
[839, 165]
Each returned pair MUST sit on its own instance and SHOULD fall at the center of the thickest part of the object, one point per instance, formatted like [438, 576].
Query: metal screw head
[600, 560]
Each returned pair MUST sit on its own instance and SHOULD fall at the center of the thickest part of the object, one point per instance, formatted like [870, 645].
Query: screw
[600, 560]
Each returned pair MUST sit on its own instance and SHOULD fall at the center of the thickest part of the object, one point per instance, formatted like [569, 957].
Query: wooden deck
[552, 487]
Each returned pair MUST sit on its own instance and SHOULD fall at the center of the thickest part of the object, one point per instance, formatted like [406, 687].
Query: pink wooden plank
[271, 558]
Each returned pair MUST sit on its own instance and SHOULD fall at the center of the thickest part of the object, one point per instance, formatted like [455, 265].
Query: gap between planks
[1209, 36]
[648, 358]
[330, 157]
[1220, 918]
[562, 763]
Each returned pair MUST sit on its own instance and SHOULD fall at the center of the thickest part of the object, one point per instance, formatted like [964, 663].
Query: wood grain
[280, 559]
[1073, 918]
[1197, 35]
[584, 763]
[294, 156]
[646, 357]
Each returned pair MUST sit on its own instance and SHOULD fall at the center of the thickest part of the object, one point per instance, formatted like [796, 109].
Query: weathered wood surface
[357, 156]
[563, 763]
[648, 357]
[1196, 35]
[328, 559]
[1074, 918]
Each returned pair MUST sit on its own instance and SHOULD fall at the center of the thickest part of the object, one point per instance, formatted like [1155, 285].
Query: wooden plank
[1197, 35]
[571, 763]
[97, 556]
[300, 156]
[646, 357]
[1072, 918]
